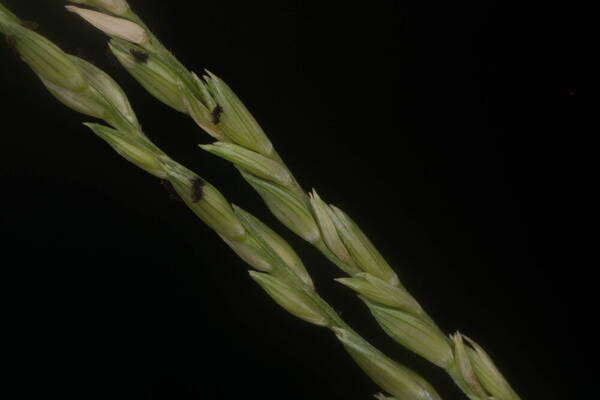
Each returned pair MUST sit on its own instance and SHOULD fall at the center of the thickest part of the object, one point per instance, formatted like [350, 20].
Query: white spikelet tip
[112, 26]
[117, 7]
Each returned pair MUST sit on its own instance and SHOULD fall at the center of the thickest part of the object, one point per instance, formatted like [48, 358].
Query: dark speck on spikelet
[139, 56]
[216, 114]
[197, 189]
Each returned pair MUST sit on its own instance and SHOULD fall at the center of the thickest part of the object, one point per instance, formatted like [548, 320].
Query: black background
[453, 133]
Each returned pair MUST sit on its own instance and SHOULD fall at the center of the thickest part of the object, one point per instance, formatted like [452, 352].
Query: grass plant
[240, 140]
[86, 89]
